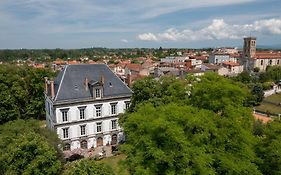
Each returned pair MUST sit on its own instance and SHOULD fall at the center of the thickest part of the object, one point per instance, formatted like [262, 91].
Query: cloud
[217, 30]
[147, 37]
[124, 40]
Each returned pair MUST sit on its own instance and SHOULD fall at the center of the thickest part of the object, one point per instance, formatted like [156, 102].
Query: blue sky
[131, 23]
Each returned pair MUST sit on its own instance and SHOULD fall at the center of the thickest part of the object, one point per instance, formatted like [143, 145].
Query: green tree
[25, 150]
[21, 92]
[215, 92]
[269, 149]
[165, 90]
[88, 167]
[173, 139]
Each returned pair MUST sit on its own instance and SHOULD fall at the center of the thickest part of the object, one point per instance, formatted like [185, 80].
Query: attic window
[98, 93]
[76, 87]
[110, 84]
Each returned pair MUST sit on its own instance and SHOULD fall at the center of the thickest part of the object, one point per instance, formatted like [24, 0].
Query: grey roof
[70, 83]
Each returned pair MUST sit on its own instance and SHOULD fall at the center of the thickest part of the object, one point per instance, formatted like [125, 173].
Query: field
[271, 104]
[115, 163]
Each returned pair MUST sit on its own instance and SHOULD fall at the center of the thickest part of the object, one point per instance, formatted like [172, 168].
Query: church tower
[249, 52]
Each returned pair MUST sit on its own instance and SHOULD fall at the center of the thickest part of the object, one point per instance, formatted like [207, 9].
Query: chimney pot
[52, 89]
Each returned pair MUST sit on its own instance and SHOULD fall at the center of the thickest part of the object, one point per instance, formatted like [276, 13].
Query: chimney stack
[129, 79]
[86, 81]
[46, 85]
[52, 89]
[102, 79]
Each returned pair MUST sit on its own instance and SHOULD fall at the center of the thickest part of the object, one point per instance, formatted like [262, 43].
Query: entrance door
[114, 139]
[100, 141]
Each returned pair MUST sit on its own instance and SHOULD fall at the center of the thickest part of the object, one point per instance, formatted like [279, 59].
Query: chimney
[46, 85]
[86, 81]
[52, 90]
[102, 79]
[129, 79]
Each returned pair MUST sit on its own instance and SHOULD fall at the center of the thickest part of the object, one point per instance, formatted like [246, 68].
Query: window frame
[99, 127]
[82, 130]
[82, 115]
[113, 108]
[113, 123]
[98, 110]
[65, 133]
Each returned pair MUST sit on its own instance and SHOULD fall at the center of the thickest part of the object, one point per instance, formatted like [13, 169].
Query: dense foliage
[21, 92]
[88, 167]
[210, 130]
[28, 148]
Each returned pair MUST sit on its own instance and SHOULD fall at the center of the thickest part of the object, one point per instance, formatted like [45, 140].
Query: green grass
[276, 98]
[115, 163]
[266, 107]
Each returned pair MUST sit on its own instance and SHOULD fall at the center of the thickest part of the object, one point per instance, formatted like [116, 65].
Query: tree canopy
[27, 148]
[21, 92]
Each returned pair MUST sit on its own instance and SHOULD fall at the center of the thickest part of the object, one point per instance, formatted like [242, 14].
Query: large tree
[27, 148]
[172, 139]
[21, 92]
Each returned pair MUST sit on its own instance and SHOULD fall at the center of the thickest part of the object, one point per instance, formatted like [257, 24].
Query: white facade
[73, 119]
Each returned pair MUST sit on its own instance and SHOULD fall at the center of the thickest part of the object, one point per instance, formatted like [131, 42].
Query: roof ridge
[60, 82]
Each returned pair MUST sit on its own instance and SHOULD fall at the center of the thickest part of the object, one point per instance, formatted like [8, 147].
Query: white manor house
[83, 103]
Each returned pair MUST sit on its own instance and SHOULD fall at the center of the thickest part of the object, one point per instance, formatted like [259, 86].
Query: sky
[137, 23]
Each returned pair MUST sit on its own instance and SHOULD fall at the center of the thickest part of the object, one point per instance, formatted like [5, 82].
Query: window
[113, 109]
[261, 62]
[65, 132]
[99, 127]
[278, 61]
[64, 115]
[66, 147]
[113, 124]
[83, 130]
[270, 62]
[98, 93]
[82, 112]
[127, 105]
[84, 144]
[98, 110]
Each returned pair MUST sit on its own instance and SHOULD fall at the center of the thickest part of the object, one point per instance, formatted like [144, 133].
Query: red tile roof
[268, 55]
[229, 63]
[263, 118]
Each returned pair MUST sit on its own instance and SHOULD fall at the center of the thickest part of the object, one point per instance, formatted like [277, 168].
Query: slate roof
[70, 83]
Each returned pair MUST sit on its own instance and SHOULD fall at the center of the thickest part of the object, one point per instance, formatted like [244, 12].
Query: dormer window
[98, 93]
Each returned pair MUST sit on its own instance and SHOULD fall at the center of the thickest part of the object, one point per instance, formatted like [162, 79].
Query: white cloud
[147, 37]
[218, 29]
[124, 40]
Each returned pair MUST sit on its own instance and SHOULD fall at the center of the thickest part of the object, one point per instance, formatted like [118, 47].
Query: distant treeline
[43, 55]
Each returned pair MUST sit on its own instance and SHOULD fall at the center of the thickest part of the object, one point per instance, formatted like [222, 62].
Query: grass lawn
[114, 162]
[276, 98]
[269, 107]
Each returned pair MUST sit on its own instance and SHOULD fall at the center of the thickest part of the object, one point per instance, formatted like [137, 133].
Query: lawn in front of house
[115, 163]
[271, 104]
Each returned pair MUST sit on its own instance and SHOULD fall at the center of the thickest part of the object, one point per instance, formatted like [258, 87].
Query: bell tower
[249, 52]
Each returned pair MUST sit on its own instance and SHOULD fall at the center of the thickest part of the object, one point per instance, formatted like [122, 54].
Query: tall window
[99, 127]
[65, 132]
[270, 62]
[83, 130]
[113, 109]
[98, 110]
[113, 124]
[82, 112]
[127, 105]
[261, 62]
[64, 115]
[98, 93]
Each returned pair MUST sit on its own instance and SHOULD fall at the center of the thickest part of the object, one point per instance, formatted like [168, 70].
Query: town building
[256, 59]
[83, 104]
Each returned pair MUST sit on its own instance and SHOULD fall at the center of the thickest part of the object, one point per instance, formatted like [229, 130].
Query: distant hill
[274, 46]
